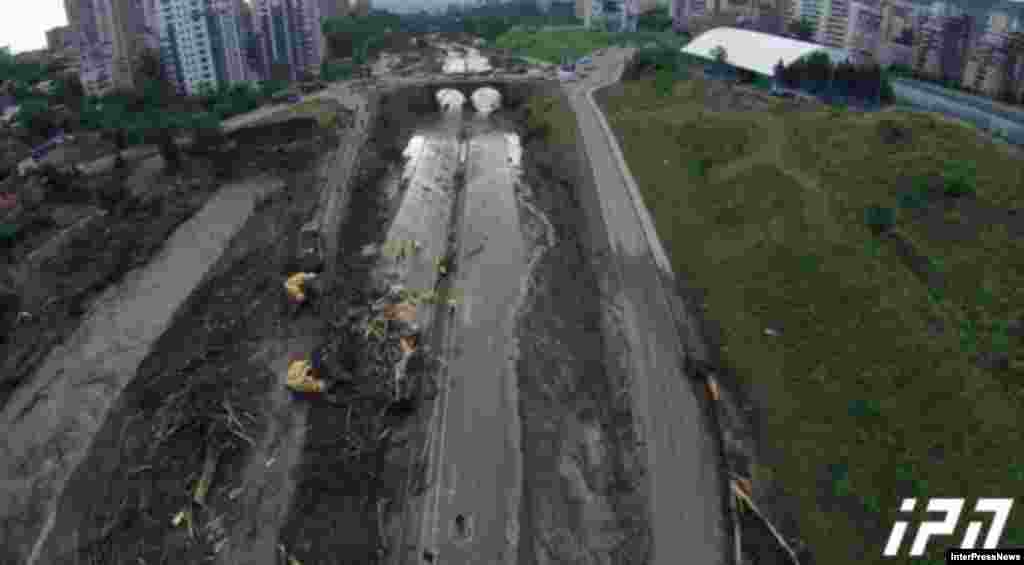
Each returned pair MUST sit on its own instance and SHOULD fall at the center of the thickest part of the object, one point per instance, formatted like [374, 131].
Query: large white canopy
[756, 51]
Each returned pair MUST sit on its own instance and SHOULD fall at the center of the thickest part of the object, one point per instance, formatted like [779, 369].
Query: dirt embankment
[582, 475]
[76, 236]
[200, 396]
[354, 462]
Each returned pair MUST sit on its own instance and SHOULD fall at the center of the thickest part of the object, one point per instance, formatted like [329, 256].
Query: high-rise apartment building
[360, 7]
[833, 22]
[201, 42]
[93, 30]
[288, 33]
[810, 10]
[60, 38]
[942, 39]
[699, 15]
[897, 32]
[109, 36]
[864, 31]
[251, 47]
[994, 64]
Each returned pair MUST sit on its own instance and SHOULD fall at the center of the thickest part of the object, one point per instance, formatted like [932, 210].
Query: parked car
[585, 61]
[294, 99]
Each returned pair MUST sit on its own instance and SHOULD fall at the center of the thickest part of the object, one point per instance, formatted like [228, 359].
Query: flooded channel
[513, 453]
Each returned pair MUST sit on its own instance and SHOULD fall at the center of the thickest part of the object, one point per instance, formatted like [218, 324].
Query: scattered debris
[288, 557]
[296, 286]
[369, 250]
[184, 517]
[712, 387]
[401, 312]
[209, 468]
[748, 502]
[301, 378]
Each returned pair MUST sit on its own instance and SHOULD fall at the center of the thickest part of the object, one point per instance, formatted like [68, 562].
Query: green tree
[269, 88]
[664, 81]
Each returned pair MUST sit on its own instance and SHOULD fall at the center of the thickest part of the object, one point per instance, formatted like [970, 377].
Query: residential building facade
[93, 31]
[289, 35]
[994, 64]
[360, 7]
[201, 42]
[833, 22]
[60, 38]
[864, 31]
[109, 36]
[700, 15]
[897, 32]
[942, 42]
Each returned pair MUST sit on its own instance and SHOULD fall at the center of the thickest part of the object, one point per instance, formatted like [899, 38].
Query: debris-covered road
[431, 279]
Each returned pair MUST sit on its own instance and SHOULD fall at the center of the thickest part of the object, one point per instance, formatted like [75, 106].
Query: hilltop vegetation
[864, 274]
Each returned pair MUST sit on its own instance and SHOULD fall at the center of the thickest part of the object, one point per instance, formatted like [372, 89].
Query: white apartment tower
[200, 42]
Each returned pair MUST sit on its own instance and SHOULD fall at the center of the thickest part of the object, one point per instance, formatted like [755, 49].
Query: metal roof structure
[756, 51]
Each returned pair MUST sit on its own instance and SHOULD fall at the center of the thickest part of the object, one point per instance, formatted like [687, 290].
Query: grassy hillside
[897, 368]
[551, 46]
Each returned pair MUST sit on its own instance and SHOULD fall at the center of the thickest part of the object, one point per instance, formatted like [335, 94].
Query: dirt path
[267, 487]
[50, 422]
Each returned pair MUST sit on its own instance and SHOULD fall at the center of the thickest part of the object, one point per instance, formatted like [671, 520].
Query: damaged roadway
[524, 452]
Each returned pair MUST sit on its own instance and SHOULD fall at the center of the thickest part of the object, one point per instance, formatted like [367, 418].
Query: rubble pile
[375, 354]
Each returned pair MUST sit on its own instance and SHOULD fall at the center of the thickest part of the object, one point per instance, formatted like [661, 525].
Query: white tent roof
[756, 51]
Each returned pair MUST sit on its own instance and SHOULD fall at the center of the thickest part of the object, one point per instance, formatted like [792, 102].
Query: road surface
[685, 482]
[986, 117]
[471, 514]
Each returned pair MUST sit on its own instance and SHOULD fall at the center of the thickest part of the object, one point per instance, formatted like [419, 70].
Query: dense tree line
[842, 82]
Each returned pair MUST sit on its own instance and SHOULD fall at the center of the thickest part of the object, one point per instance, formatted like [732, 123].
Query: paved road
[959, 105]
[685, 484]
[477, 462]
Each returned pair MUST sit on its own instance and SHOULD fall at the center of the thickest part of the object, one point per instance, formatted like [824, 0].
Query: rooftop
[756, 51]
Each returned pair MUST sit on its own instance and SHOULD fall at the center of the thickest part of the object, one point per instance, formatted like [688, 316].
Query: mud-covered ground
[206, 407]
[582, 502]
[201, 394]
[75, 236]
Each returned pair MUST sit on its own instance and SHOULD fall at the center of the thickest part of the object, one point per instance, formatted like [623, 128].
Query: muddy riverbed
[206, 457]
